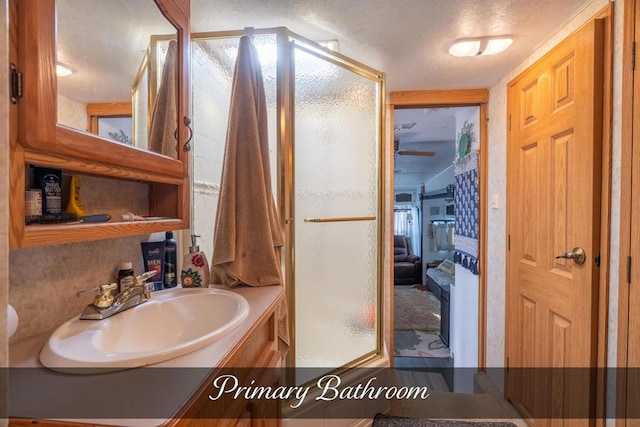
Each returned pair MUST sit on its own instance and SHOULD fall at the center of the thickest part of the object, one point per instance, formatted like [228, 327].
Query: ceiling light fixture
[480, 46]
[62, 71]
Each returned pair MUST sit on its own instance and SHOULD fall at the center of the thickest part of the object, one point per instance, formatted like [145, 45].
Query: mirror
[41, 140]
[116, 51]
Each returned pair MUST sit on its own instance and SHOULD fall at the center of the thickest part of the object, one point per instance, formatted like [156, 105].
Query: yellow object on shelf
[75, 205]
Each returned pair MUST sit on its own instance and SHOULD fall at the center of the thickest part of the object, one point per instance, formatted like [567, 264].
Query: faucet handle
[145, 276]
[140, 287]
[103, 294]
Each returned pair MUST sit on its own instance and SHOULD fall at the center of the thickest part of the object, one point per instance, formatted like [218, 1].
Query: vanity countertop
[39, 393]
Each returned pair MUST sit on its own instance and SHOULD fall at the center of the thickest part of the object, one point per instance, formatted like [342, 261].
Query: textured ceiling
[105, 63]
[434, 131]
[408, 41]
[405, 39]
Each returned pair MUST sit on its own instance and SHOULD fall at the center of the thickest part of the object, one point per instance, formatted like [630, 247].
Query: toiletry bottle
[153, 259]
[130, 216]
[170, 261]
[195, 268]
[50, 181]
[75, 205]
[125, 276]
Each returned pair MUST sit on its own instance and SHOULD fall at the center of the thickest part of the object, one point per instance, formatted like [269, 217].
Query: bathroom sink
[172, 323]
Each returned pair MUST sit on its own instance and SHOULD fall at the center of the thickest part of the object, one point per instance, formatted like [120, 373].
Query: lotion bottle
[195, 268]
[125, 277]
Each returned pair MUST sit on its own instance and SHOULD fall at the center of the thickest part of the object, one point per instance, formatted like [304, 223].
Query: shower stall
[326, 117]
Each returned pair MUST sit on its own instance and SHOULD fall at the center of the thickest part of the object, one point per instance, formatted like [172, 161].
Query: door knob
[577, 255]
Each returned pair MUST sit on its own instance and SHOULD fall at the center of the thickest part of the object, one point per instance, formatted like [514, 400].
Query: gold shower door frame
[293, 42]
[287, 41]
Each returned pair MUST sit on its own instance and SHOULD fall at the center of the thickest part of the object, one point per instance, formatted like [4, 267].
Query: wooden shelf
[50, 234]
[169, 172]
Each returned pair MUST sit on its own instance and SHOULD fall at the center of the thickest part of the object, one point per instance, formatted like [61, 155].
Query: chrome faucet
[105, 304]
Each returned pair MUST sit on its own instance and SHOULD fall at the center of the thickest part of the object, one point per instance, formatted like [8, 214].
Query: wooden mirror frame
[38, 105]
[41, 141]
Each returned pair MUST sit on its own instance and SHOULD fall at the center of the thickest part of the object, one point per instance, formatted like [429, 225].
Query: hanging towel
[164, 116]
[247, 231]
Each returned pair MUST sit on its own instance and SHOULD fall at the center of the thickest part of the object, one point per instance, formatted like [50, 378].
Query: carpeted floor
[381, 420]
[417, 323]
[486, 404]
[415, 309]
[419, 344]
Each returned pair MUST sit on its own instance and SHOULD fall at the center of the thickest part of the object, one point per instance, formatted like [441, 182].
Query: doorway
[427, 154]
[465, 103]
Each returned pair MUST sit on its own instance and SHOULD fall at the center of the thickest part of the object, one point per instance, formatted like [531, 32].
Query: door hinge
[507, 363]
[629, 269]
[509, 122]
[597, 260]
[509, 242]
[633, 55]
[16, 84]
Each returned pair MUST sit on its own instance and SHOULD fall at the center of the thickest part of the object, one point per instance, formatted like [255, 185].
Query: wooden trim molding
[95, 111]
[459, 98]
[606, 15]
[434, 98]
[628, 100]
[390, 243]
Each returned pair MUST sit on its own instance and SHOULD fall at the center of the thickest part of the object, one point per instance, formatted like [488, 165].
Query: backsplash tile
[43, 281]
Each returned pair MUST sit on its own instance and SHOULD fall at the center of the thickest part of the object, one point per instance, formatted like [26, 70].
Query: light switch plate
[495, 201]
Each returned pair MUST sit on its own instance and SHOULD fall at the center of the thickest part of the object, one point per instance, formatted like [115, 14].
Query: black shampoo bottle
[170, 261]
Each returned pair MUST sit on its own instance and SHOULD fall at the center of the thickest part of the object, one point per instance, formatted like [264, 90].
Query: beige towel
[164, 117]
[248, 232]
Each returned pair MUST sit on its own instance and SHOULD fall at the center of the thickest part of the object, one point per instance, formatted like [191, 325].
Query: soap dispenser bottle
[195, 268]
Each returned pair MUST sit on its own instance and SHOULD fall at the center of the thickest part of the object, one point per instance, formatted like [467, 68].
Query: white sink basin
[172, 323]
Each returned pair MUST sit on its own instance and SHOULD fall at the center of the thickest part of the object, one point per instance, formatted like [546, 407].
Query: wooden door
[554, 144]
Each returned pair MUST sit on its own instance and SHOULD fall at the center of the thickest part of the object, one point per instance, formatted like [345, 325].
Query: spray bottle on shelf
[195, 268]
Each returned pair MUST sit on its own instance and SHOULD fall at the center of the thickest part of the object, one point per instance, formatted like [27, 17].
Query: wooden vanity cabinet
[37, 139]
[257, 351]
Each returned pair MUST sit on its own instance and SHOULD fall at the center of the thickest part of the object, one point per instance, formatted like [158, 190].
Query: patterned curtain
[466, 200]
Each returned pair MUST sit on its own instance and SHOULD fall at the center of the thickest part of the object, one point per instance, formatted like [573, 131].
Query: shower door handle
[341, 219]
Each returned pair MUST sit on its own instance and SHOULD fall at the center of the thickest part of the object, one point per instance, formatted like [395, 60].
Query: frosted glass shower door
[336, 141]
[324, 140]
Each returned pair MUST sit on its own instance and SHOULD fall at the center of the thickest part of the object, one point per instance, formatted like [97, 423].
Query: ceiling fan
[396, 145]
